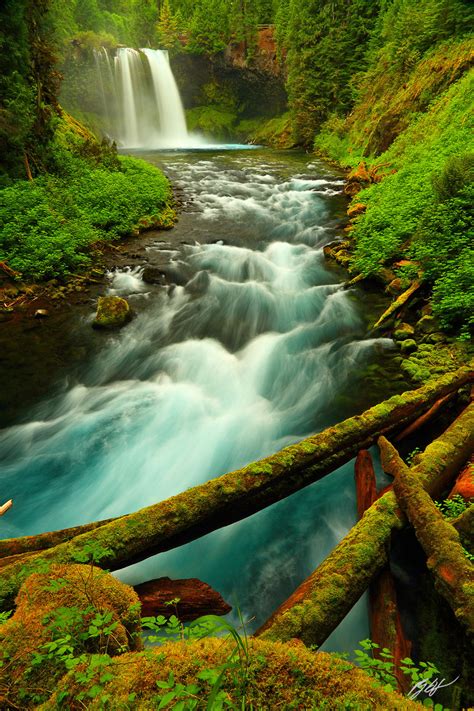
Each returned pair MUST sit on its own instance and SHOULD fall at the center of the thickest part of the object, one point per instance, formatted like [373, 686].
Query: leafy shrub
[47, 225]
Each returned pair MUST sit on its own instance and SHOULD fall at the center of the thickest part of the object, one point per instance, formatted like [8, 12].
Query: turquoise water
[256, 346]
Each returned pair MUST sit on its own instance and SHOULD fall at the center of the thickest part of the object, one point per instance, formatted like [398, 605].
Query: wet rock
[199, 284]
[41, 313]
[112, 312]
[408, 346]
[153, 275]
[195, 599]
[403, 332]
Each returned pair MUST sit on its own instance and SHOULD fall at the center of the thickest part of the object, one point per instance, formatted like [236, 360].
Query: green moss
[214, 121]
[112, 312]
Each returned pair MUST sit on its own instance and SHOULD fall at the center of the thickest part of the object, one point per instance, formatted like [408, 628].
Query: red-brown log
[464, 485]
[366, 487]
[195, 599]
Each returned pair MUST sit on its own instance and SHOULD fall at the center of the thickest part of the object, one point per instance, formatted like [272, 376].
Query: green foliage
[326, 43]
[451, 508]
[379, 663]
[48, 225]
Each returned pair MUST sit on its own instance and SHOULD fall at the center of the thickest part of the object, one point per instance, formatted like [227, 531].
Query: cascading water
[259, 348]
[139, 88]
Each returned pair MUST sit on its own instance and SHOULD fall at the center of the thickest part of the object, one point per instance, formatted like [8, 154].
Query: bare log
[322, 601]
[454, 573]
[195, 599]
[366, 487]
[234, 496]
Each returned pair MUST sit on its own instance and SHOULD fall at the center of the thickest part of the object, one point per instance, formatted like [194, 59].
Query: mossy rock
[276, 675]
[112, 312]
[63, 603]
[427, 324]
[408, 345]
[403, 332]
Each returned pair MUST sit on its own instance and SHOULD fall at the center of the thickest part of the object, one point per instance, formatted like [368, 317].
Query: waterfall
[143, 108]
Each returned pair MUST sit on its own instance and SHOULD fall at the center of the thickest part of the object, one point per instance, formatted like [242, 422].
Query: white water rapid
[256, 346]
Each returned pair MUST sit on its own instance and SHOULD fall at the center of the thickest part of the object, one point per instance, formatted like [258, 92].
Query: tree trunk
[234, 496]
[366, 487]
[464, 525]
[322, 601]
[454, 573]
[385, 624]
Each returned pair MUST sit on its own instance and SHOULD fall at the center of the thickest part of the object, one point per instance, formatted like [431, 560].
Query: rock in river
[112, 312]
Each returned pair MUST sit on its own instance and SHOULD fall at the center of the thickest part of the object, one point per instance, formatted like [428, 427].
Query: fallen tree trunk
[322, 601]
[42, 541]
[464, 485]
[453, 572]
[464, 525]
[234, 496]
[193, 599]
[398, 303]
[385, 624]
[366, 487]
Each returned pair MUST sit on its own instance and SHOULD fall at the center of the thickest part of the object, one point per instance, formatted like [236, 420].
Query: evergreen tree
[168, 27]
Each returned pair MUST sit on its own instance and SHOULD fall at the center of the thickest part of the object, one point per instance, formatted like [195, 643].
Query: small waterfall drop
[143, 108]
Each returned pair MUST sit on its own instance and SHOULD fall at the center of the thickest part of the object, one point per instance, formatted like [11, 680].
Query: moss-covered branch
[324, 599]
[236, 495]
[454, 573]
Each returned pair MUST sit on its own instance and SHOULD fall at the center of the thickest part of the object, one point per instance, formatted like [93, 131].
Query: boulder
[408, 346]
[154, 275]
[112, 312]
[195, 599]
[199, 284]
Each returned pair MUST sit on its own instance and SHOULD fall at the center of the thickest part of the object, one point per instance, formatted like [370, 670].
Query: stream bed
[254, 346]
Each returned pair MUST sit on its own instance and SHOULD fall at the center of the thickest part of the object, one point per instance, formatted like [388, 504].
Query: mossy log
[423, 419]
[322, 601]
[42, 541]
[464, 525]
[234, 496]
[454, 573]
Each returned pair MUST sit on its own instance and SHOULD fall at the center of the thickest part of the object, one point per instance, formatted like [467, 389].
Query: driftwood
[398, 303]
[454, 573]
[195, 599]
[322, 601]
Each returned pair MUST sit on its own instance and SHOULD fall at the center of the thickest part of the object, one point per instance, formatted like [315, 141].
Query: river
[257, 346]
